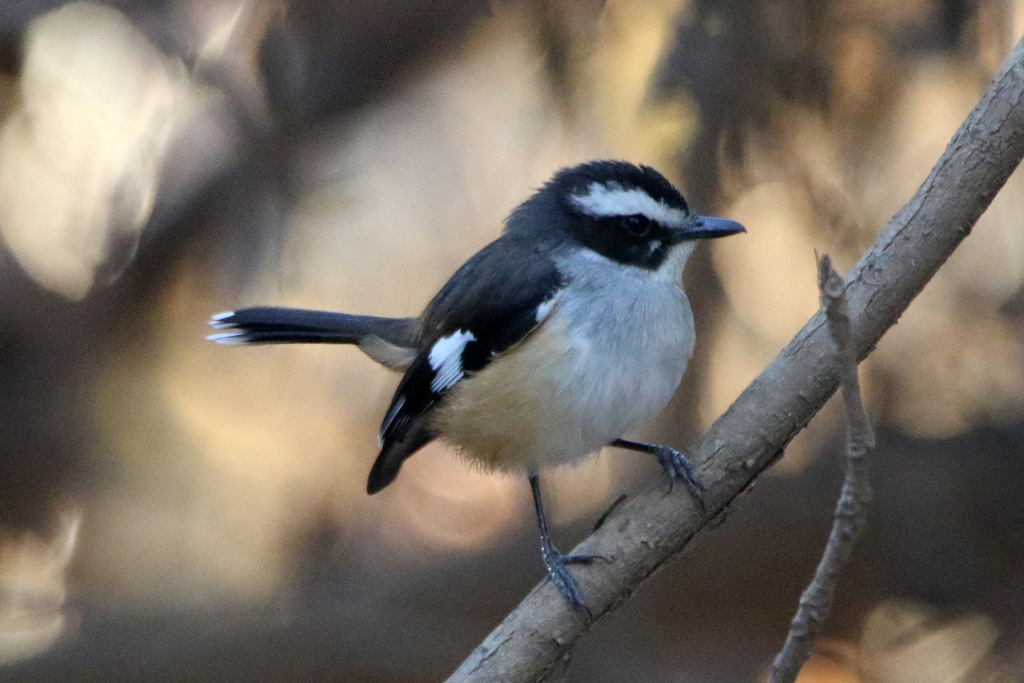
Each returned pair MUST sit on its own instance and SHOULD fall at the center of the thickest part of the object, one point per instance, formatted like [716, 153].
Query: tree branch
[851, 510]
[535, 640]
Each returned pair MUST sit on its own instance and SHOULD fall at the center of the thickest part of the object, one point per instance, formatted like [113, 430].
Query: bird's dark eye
[638, 226]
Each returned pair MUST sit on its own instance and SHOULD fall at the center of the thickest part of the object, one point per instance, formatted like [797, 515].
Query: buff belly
[572, 389]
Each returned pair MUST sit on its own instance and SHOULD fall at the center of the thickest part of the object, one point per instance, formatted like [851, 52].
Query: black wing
[492, 302]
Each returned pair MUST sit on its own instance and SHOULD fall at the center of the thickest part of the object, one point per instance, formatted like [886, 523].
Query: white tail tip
[217, 321]
[236, 337]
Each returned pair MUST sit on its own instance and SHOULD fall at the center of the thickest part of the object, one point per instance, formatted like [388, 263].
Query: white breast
[609, 358]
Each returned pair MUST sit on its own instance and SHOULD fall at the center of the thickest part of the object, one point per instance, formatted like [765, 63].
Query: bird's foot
[674, 462]
[558, 572]
[678, 468]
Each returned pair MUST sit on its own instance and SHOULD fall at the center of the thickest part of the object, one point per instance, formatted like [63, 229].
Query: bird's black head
[630, 214]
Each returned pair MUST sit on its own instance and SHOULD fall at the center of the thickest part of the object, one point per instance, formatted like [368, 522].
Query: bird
[549, 344]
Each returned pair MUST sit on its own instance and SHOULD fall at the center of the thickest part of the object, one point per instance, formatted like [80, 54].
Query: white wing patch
[611, 199]
[544, 309]
[446, 359]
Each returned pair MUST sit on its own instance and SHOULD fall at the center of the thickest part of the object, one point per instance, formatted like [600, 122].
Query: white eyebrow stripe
[613, 200]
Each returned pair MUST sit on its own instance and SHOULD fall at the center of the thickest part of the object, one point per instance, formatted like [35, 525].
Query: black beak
[708, 227]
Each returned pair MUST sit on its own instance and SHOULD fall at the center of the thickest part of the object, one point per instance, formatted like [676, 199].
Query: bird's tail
[390, 341]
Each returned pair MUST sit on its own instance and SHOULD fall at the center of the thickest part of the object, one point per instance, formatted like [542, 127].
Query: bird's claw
[558, 572]
[678, 468]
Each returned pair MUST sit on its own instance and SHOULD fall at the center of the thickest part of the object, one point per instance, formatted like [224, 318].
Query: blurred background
[174, 510]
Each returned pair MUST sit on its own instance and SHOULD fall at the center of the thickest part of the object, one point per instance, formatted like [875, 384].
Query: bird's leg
[674, 462]
[554, 560]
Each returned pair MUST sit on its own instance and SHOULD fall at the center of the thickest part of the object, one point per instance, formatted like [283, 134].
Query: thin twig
[646, 532]
[852, 508]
